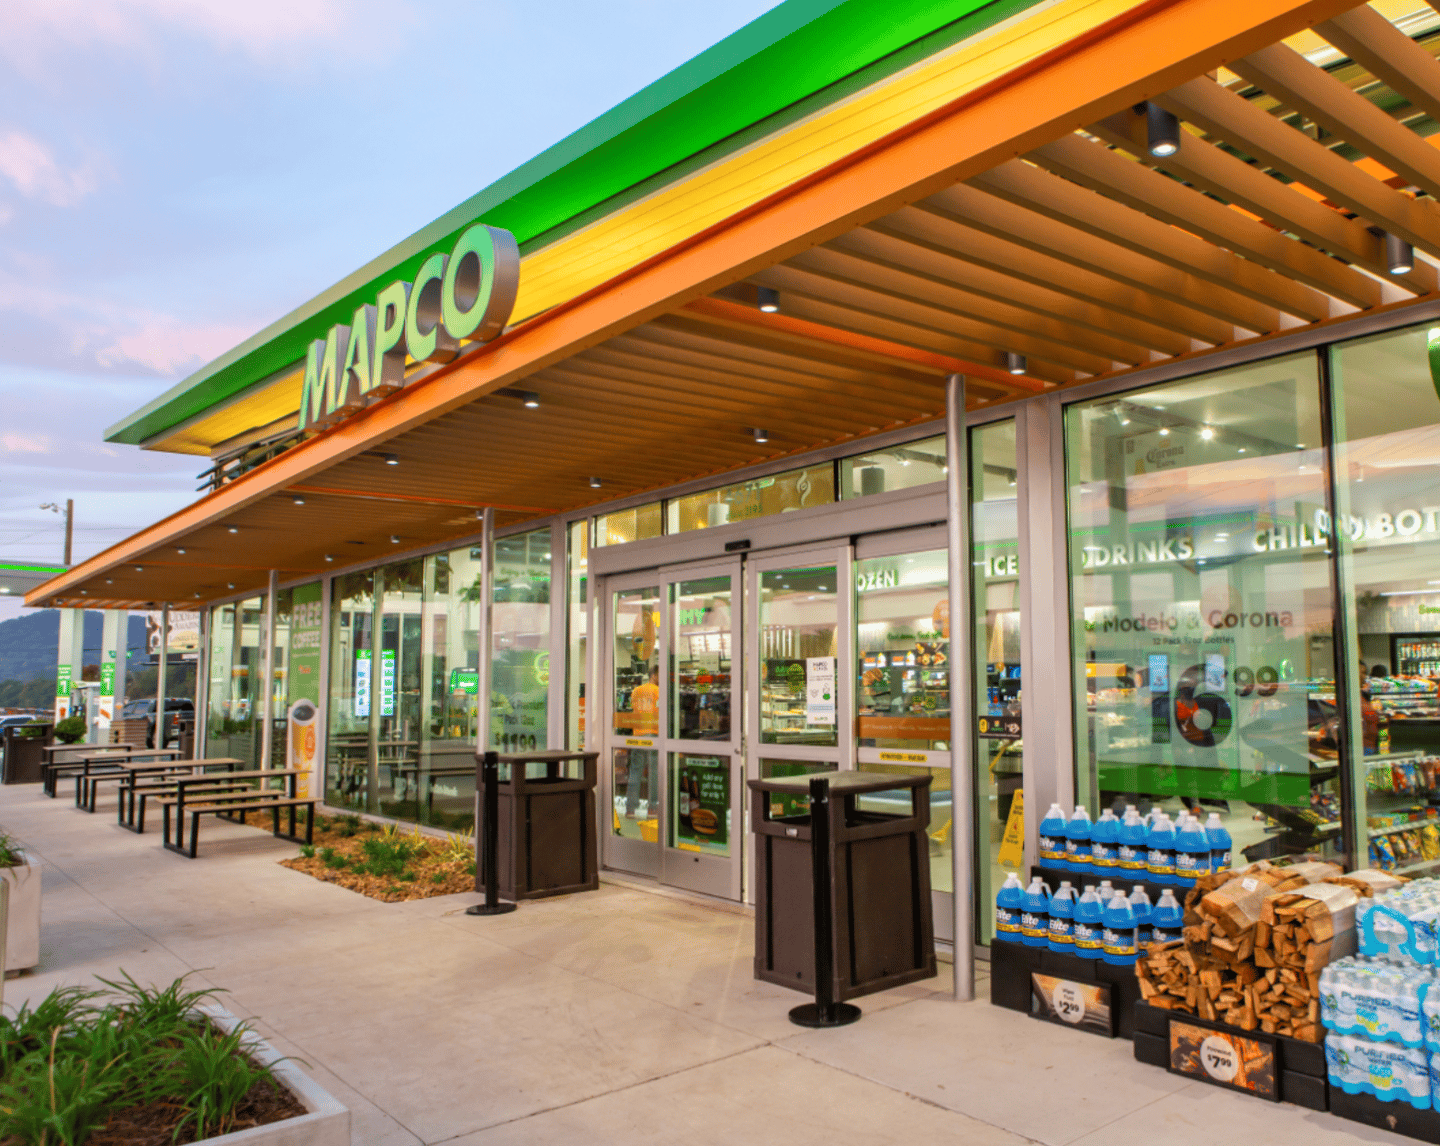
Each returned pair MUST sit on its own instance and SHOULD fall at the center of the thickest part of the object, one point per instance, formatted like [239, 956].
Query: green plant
[210, 1076]
[307, 851]
[388, 854]
[407, 876]
[438, 877]
[457, 848]
[71, 730]
[470, 868]
[10, 853]
[333, 859]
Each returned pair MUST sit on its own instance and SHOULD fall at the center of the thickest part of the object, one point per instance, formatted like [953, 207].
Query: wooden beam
[1248, 187]
[1297, 83]
[863, 345]
[927, 322]
[1080, 247]
[948, 234]
[1141, 188]
[1230, 117]
[376, 495]
[930, 266]
[952, 302]
[1388, 54]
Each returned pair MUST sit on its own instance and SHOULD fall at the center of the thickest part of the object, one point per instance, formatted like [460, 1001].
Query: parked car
[177, 708]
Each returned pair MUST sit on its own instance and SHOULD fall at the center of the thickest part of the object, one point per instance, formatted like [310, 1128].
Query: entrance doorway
[673, 759]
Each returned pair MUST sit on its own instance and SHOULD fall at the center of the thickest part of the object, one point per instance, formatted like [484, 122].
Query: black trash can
[23, 755]
[884, 934]
[545, 837]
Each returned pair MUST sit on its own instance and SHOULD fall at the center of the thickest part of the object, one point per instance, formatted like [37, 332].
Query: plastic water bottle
[1219, 839]
[1192, 852]
[1062, 919]
[1160, 850]
[1089, 925]
[1008, 907]
[1035, 914]
[1105, 842]
[1118, 934]
[1131, 843]
[1052, 838]
[1077, 840]
[1167, 917]
[1140, 905]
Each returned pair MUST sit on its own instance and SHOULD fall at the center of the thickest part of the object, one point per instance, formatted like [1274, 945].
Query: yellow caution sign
[1012, 846]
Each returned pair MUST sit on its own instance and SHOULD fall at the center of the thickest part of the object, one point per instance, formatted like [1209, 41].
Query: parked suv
[176, 709]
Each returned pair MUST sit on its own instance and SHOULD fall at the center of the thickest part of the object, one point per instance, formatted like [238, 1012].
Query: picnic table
[127, 772]
[87, 757]
[227, 804]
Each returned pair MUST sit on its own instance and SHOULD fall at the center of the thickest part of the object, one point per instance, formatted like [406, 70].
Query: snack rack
[1402, 816]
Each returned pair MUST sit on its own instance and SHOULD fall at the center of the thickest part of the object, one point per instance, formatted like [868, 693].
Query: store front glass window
[578, 614]
[279, 682]
[352, 674]
[395, 711]
[1202, 606]
[996, 605]
[232, 724]
[798, 637]
[299, 707]
[902, 688]
[444, 786]
[760, 497]
[627, 525]
[895, 467]
[520, 673]
[1387, 473]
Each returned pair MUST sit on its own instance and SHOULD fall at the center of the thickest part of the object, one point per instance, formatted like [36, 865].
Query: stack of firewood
[1251, 953]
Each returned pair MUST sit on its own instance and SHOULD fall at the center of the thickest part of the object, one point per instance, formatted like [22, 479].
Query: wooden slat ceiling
[1087, 255]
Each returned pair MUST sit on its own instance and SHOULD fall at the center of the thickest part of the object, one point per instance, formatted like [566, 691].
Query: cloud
[31, 167]
[24, 443]
[170, 347]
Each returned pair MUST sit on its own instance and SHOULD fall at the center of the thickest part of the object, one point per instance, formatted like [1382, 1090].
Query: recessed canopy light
[768, 298]
[1124, 421]
[1015, 363]
[1207, 433]
[298, 500]
[233, 529]
[394, 539]
[594, 483]
[392, 459]
[328, 557]
[197, 594]
[1242, 449]
[109, 581]
[179, 549]
[229, 584]
[139, 569]
[1164, 432]
[83, 592]
[1299, 445]
[1162, 131]
[1399, 255]
[529, 399]
[761, 436]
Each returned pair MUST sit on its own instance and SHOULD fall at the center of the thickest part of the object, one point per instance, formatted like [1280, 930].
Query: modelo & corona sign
[467, 294]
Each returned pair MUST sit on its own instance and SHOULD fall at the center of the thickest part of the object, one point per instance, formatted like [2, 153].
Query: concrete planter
[22, 924]
[325, 1123]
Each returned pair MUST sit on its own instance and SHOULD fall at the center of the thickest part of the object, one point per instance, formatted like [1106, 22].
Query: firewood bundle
[1251, 952]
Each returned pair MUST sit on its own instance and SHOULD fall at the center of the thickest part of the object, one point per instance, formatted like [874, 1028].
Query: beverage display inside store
[635, 764]
[700, 654]
[1387, 418]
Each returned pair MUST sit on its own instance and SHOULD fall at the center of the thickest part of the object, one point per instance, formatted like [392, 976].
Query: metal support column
[962, 687]
[202, 684]
[485, 641]
[267, 681]
[113, 633]
[160, 713]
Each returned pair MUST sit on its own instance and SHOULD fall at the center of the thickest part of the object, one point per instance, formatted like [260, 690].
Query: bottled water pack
[1391, 1073]
[1400, 924]
[1378, 1000]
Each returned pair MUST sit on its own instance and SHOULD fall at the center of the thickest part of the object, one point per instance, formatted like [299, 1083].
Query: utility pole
[69, 523]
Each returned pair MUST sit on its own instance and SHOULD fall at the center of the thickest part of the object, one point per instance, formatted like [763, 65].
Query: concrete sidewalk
[624, 1015]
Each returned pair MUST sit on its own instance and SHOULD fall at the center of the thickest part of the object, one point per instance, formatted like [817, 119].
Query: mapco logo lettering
[467, 294]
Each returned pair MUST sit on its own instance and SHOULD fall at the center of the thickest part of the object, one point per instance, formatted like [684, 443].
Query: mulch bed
[434, 872]
[154, 1123]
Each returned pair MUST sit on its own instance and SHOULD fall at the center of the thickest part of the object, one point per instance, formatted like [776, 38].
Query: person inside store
[645, 708]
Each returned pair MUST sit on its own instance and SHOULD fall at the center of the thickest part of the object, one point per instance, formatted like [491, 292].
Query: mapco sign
[468, 293]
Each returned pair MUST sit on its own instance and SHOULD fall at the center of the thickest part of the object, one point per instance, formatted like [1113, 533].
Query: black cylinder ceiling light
[1162, 131]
